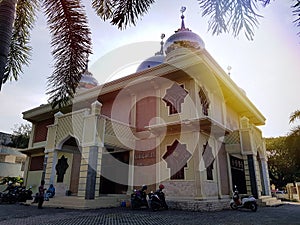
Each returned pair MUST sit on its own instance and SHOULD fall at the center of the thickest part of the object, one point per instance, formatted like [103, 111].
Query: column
[50, 169]
[50, 150]
[91, 173]
[130, 172]
[265, 176]
[251, 167]
[197, 169]
[92, 145]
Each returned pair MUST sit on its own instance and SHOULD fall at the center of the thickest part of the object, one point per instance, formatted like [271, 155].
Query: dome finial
[161, 52]
[155, 60]
[182, 10]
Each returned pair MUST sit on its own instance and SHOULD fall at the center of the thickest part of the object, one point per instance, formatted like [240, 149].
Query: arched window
[204, 100]
[209, 159]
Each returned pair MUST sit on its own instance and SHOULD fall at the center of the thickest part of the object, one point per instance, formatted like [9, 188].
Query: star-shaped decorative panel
[174, 97]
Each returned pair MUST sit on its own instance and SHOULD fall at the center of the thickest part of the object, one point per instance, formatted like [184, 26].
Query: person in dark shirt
[41, 194]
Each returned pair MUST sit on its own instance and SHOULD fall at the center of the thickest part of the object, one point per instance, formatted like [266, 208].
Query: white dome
[155, 60]
[183, 38]
[151, 62]
[87, 81]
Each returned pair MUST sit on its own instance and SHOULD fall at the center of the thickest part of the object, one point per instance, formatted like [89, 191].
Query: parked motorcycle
[24, 194]
[139, 198]
[13, 194]
[157, 199]
[248, 202]
[9, 194]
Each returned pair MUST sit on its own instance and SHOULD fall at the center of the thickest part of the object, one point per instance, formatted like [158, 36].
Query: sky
[267, 68]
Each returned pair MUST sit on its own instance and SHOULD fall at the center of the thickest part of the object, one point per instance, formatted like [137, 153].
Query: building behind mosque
[179, 120]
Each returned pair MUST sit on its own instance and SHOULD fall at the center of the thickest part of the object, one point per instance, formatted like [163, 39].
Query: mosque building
[179, 120]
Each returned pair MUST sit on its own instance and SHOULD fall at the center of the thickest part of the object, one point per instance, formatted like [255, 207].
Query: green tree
[21, 136]
[293, 143]
[293, 140]
[70, 32]
[280, 161]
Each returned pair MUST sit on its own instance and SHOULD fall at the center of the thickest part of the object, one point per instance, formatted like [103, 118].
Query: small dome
[155, 60]
[151, 62]
[183, 38]
[87, 80]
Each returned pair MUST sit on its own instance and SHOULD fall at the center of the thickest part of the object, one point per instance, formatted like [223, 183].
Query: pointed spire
[182, 10]
[182, 28]
[161, 52]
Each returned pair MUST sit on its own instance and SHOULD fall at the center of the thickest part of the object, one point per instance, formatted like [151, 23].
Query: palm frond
[104, 8]
[296, 13]
[265, 2]
[122, 12]
[72, 45]
[234, 15]
[20, 50]
[218, 11]
[294, 116]
[295, 131]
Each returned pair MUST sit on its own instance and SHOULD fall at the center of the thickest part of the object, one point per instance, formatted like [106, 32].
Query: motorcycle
[9, 195]
[248, 202]
[139, 198]
[13, 194]
[157, 200]
[24, 194]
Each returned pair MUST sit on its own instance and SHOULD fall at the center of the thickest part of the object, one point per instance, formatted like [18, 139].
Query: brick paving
[287, 214]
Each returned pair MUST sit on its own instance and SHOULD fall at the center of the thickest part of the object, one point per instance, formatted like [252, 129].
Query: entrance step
[74, 202]
[269, 201]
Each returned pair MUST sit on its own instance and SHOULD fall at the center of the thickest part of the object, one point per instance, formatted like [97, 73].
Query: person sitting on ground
[51, 191]
[36, 198]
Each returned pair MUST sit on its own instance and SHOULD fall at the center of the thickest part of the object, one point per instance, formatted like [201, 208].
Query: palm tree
[293, 117]
[70, 38]
[7, 11]
[70, 32]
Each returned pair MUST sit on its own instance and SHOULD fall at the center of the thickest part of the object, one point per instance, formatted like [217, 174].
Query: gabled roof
[200, 60]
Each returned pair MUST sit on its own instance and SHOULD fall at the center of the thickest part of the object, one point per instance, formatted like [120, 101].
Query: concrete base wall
[200, 206]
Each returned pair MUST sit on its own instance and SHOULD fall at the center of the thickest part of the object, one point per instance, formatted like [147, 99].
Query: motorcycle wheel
[233, 206]
[253, 207]
[133, 205]
[12, 201]
[154, 206]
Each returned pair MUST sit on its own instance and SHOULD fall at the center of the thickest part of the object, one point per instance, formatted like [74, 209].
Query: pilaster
[265, 176]
[197, 156]
[130, 172]
[252, 174]
[92, 148]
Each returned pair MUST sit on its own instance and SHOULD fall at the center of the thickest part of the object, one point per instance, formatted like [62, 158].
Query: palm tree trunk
[7, 15]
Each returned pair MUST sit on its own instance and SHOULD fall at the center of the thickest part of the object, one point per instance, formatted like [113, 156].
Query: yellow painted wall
[34, 180]
[232, 119]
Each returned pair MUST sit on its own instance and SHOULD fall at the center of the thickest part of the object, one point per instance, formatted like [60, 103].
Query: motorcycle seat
[246, 196]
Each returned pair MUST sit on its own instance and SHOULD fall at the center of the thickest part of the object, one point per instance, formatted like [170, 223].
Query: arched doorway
[72, 152]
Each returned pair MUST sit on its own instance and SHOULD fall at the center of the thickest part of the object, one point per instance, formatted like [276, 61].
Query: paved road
[287, 214]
